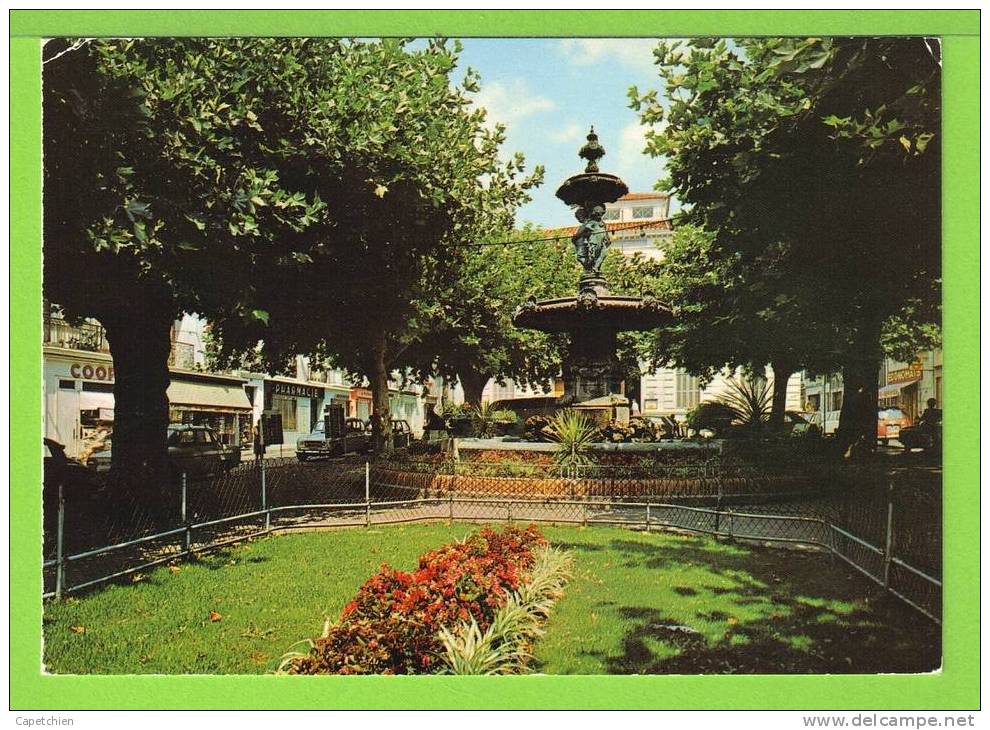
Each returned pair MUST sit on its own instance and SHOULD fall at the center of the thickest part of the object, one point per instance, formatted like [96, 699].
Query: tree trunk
[139, 469]
[473, 383]
[381, 411]
[857, 432]
[778, 408]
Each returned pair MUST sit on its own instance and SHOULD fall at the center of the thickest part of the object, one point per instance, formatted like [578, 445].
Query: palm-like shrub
[573, 433]
[750, 398]
[484, 419]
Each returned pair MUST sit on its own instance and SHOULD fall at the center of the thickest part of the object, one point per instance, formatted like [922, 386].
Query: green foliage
[505, 647]
[573, 433]
[749, 398]
[711, 415]
[814, 166]
[470, 295]
[485, 419]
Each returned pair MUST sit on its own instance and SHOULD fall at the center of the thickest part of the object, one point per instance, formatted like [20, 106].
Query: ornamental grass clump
[505, 646]
[393, 624]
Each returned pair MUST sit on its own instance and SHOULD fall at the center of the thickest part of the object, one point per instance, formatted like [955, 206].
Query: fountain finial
[592, 151]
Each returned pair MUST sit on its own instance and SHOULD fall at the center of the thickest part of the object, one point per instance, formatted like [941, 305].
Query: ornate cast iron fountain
[594, 316]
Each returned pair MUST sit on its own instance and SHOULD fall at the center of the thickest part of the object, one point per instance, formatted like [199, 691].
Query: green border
[955, 687]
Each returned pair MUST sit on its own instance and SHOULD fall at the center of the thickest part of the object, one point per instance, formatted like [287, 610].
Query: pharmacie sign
[276, 387]
[909, 374]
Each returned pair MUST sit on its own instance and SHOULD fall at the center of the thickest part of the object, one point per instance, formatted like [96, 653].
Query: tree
[467, 314]
[416, 172]
[826, 150]
[166, 162]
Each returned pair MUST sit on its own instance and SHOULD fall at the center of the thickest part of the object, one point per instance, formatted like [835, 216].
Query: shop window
[98, 387]
[642, 212]
[67, 384]
[285, 405]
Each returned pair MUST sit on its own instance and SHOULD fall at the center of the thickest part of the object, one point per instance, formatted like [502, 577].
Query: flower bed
[394, 623]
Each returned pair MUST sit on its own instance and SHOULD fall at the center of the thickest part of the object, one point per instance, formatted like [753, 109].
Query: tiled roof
[645, 196]
[645, 225]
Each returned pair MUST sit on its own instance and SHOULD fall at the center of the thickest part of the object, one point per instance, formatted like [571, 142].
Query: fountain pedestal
[593, 318]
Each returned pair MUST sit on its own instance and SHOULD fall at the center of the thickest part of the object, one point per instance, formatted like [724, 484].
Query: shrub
[574, 434]
[504, 648]
[712, 415]
[392, 626]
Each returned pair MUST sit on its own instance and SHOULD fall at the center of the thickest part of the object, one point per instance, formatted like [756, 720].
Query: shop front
[217, 401]
[300, 404]
[79, 402]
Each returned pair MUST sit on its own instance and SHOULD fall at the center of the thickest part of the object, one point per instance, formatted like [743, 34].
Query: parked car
[401, 434]
[316, 445]
[890, 421]
[926, 434]
[192, 450]
[802, 423]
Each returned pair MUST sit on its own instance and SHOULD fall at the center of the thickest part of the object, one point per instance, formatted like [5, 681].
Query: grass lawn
[637, 604]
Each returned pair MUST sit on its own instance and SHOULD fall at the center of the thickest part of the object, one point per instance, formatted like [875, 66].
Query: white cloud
[631, 162]
[573, 132]
[510, 103]
[634, 52]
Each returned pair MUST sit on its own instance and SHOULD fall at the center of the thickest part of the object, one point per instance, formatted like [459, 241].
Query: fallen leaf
[732, 621]
[173, 569]
[77, 629]
[258, 657]
[214, 616]
[137, 578]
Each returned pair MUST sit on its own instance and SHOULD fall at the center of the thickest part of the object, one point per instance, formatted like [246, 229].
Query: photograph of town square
[492, 355]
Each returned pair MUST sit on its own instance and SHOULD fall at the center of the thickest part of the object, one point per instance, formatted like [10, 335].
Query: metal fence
[891, 533]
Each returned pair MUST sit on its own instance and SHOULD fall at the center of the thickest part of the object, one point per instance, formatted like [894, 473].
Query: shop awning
[894, 389]
[91, 401]
[221, 397]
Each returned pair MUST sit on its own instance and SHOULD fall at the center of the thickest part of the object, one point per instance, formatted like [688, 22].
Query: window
[285, 405]
[645, 211]
[611, 215]
[835, 401]
[67, 384]
[651, 404]
[688, 391]
[97, 387]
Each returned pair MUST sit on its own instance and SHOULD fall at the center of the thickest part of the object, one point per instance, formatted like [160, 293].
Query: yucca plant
[573, 433]
[750, 398]
[504, 647]
[484, 419]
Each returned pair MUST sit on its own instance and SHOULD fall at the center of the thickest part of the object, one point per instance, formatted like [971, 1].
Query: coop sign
[88, 371]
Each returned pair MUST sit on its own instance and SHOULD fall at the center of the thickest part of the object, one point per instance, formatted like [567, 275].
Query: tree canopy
[814, 165]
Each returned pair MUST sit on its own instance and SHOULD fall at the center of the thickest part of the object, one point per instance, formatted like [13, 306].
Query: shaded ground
[638, 604]
[684, 604]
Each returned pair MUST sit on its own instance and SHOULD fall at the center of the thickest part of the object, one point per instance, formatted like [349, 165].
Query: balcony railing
[90, 337]
[86, 336]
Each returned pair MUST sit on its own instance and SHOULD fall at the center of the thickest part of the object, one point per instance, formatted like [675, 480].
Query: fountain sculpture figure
[594, 316]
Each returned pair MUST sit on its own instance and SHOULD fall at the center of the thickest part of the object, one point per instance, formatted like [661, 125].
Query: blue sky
[549, 91]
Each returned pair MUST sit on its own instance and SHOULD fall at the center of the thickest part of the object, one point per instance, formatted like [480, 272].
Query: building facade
[907, 386]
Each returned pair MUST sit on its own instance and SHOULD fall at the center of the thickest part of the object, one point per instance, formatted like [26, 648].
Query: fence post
[450, 502]
[647, 516]
[60, 544]
[264, 497]
[888, 545]
[185, 510]
[367, 494]
[718, 496]
[730, 524]
[508, 511]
